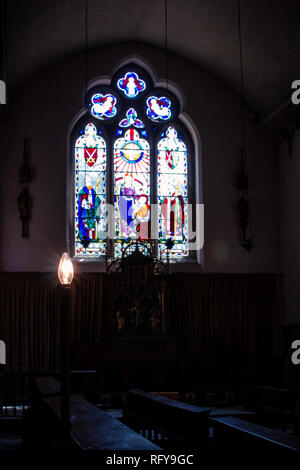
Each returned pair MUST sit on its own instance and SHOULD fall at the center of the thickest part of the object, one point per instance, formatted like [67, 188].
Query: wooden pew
[48, 386]
[172, 424]
[230, 433]
[275, 405]
[92, 429]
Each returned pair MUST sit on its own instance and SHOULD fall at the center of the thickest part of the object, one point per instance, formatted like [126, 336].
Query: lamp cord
[86, 52]
[243, 109]
[166, 43]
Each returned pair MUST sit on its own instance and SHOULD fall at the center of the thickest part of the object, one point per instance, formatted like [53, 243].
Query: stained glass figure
[90, 194]
[131, 187]
[132, 120]
[131, 84]
[103, 106]
[158, 108]
[172, 194]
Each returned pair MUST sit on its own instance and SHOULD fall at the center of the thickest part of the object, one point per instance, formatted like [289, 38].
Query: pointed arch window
[131, 151]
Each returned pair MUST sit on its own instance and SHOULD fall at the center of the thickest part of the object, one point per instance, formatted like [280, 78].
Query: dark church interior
[150, 233]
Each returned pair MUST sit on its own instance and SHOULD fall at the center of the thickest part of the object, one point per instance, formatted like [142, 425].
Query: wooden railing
[15, 398]
[168, 423]
[16, 389]
[15, 393]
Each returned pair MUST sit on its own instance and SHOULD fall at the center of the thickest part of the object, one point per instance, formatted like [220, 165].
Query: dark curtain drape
[87, 307]
[29, 320]
[30, 305]
[239, 313]
[235, 312]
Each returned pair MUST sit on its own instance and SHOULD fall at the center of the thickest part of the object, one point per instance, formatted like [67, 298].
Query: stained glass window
[172, 194]
[130, 149]
[90, 191]
[131, 188]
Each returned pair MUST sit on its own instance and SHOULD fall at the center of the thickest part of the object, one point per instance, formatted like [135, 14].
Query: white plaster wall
[43, 111]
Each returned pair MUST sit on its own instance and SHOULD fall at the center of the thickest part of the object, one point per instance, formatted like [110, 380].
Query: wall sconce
[24, 199]
[246, 240]
[24, 202]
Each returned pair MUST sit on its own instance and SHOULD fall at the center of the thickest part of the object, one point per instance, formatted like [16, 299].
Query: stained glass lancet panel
[90, 194]
[131, 188]
[172, 194]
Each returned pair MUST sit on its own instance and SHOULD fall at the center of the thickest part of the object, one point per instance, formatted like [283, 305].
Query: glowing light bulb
[65, 270]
